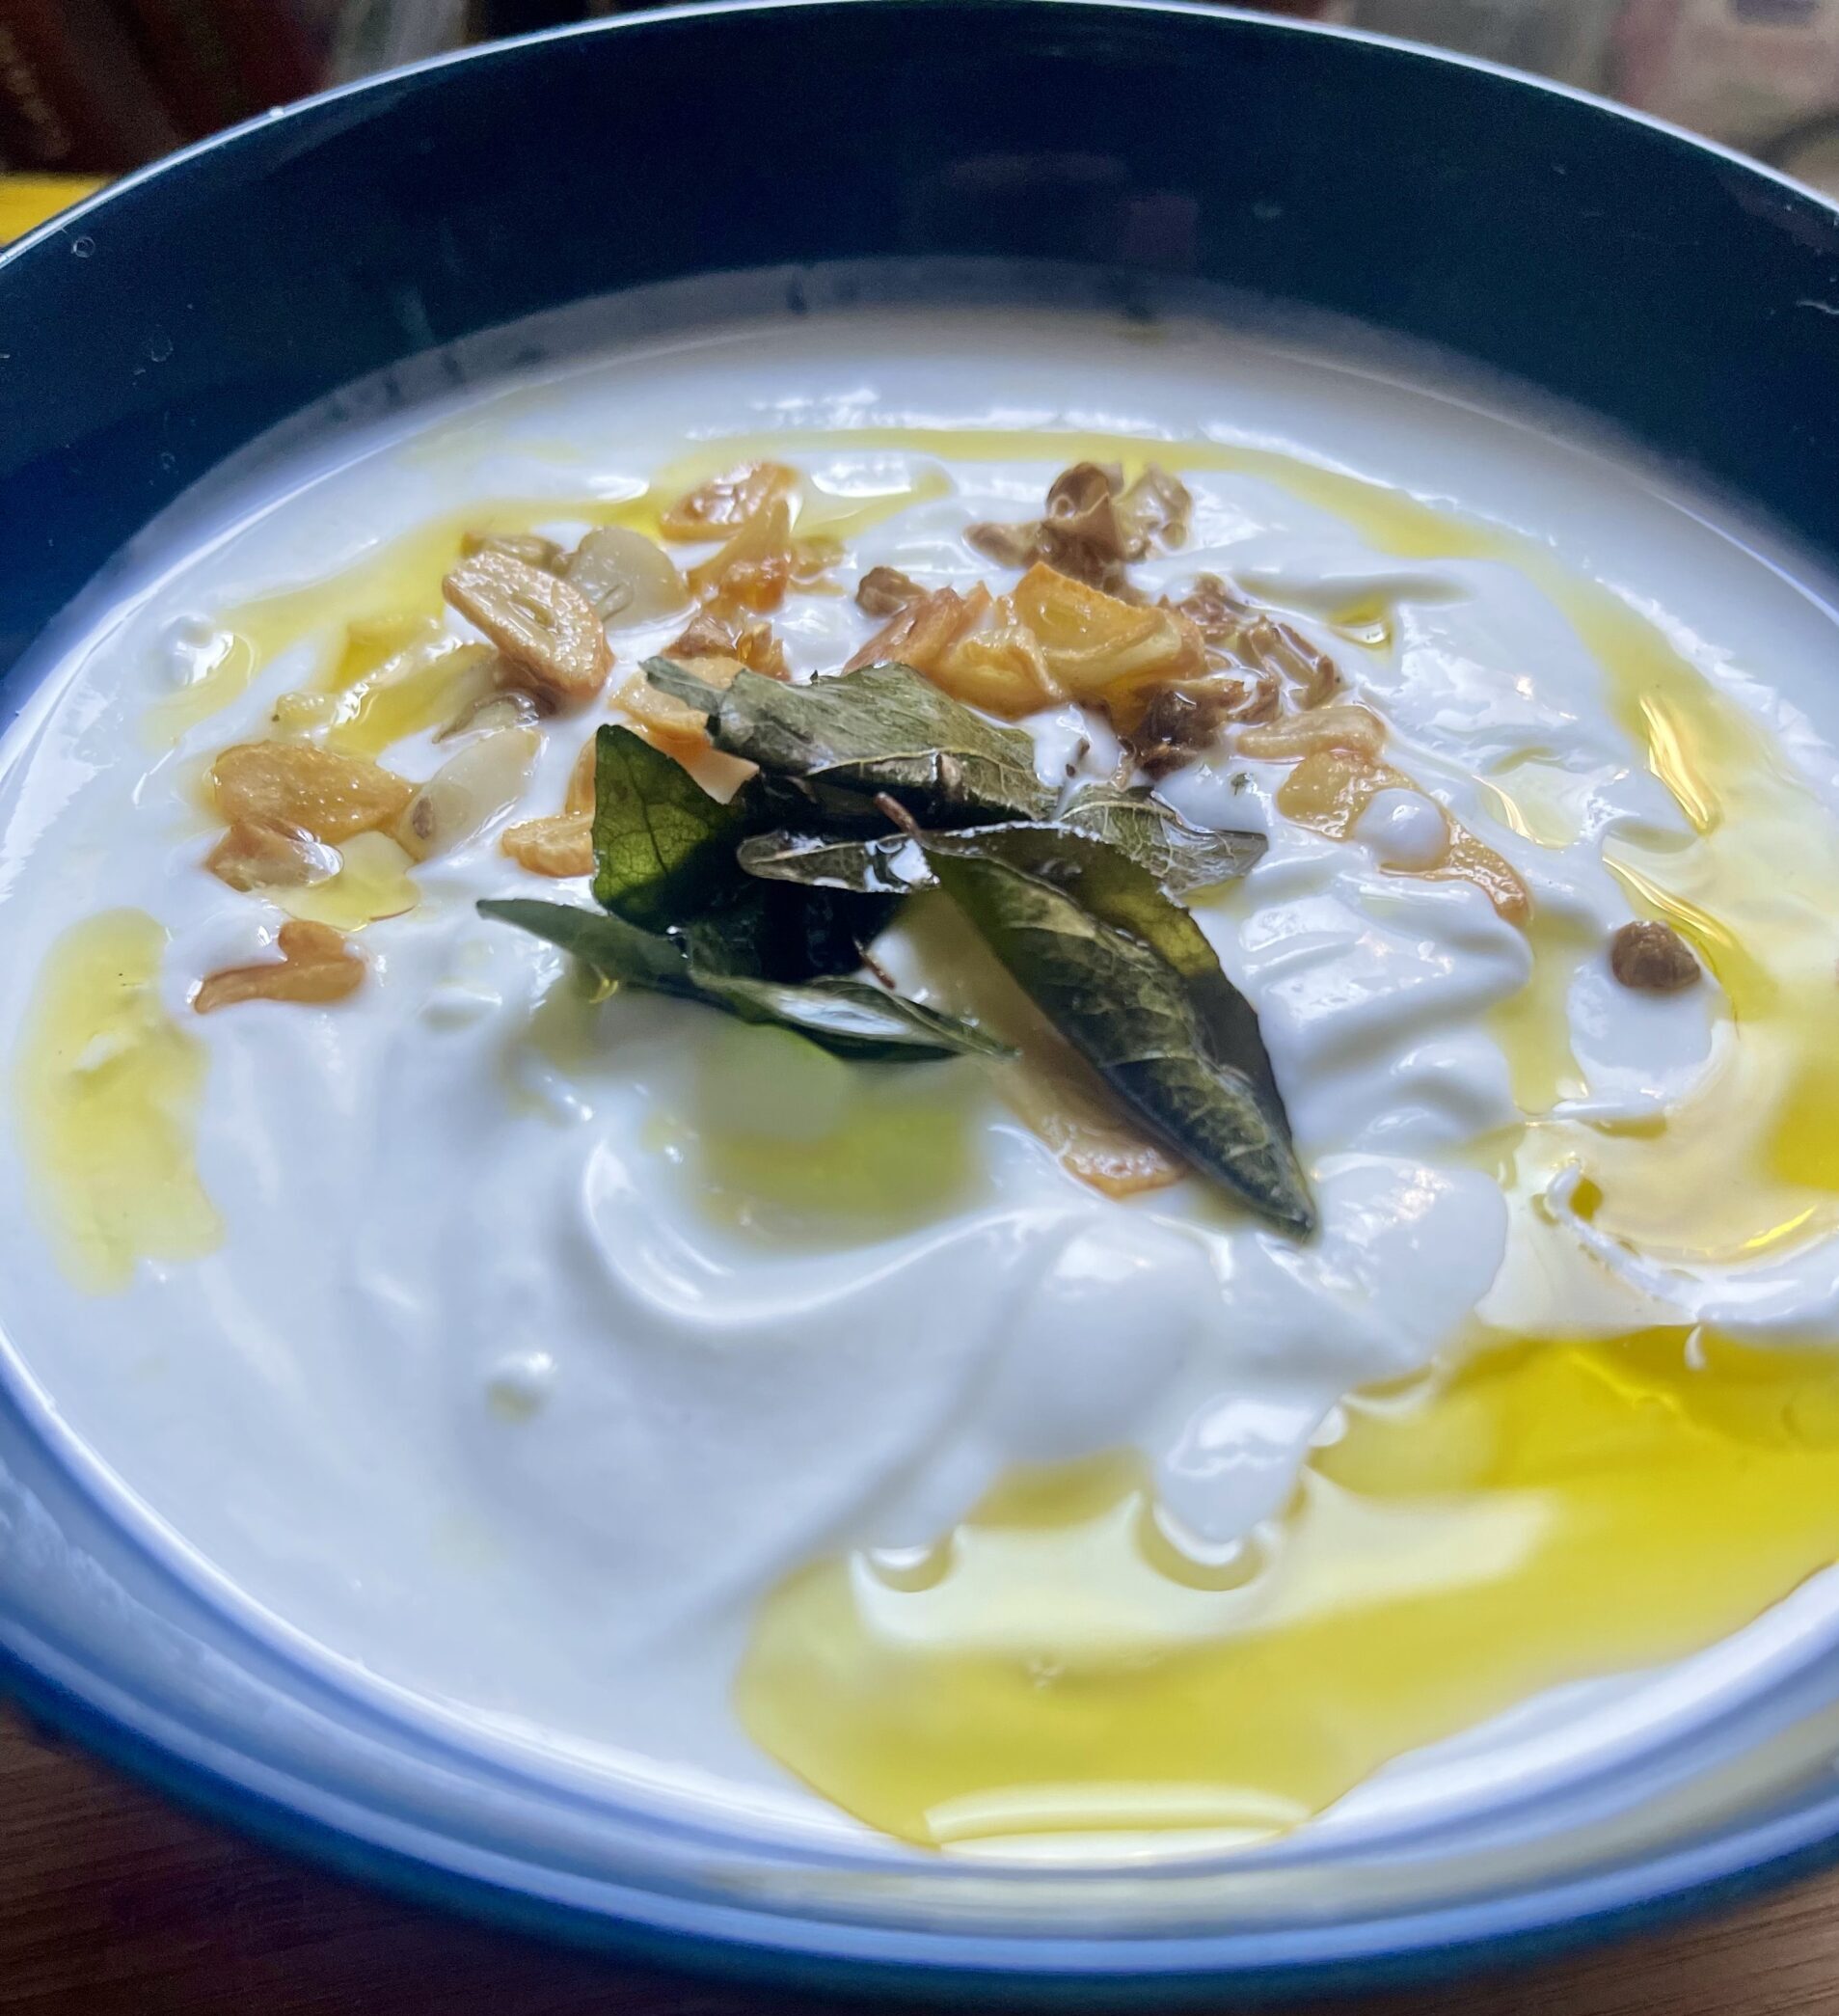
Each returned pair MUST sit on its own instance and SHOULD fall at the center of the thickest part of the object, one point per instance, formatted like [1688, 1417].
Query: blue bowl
[1682, 297]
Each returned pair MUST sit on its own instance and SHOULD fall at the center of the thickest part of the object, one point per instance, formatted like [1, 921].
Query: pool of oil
[1549, 1511]
[107, 1087]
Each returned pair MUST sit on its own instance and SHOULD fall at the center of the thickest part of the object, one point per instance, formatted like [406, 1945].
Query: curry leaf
[888, 864]
[853, 1017]
[1129, 979]
[883, 729]
[618, 952]
[1181, 855]
[768, 932]
[850, 1018]
[663, 847]
[682, 684]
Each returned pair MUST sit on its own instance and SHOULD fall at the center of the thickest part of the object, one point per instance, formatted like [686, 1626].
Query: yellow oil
[395, 590]
[1367, 619]
[1552, 1511]
[107, 1088]
[373, 882]
[227, 678]
[1533, 1027]
[1537, 797]
[1060, 1661]
[784, 1139]
[395, 678]
[1747, 890]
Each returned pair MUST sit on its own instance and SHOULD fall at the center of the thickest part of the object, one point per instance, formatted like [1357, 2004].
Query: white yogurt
[476, 1398]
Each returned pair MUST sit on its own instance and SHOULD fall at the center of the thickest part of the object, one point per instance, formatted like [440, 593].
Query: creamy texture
[544, 1340]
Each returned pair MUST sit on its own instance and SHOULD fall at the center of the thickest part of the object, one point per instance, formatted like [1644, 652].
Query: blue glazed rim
[1483, 194]
[1434, 1947]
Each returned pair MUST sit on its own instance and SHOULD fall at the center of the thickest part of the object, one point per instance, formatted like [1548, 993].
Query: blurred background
[88, 88]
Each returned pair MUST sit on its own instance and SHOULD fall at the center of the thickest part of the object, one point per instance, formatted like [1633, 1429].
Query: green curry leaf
[850, 1018]
[884, 729]
[617, 952]
[769, 931]
[1181, 855]
[1131, 980]
[663, 847]
[888, 864]
[853, 1017]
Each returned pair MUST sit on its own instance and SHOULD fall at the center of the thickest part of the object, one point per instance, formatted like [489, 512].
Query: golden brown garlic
[315, 967]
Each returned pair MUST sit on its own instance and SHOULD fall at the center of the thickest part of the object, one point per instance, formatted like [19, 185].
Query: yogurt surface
[535, 1360]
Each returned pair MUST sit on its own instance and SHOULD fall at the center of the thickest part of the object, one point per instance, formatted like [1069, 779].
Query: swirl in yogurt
[669, 1401]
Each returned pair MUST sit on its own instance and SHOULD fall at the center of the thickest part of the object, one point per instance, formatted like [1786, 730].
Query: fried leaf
[883, 729]
[682, 683]
[850, 1018]
[1129, 979]
[889, 864]
[663, 847]
[769, 931]
[854, 1019]
[617, 951]
[1181, 855]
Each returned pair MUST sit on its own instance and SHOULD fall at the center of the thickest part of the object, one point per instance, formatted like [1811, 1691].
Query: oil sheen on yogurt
[678, 1408]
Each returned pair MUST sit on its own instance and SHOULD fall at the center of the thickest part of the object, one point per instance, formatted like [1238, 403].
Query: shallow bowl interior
[1677, 296]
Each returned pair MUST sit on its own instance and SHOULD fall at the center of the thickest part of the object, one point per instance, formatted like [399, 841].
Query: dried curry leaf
[854, 1019]
[883, 729]
[663, 847]
[621, 953]
[1131, 982]
[1181, 855]
[850, 1018]
[767, 931]
[887, 864]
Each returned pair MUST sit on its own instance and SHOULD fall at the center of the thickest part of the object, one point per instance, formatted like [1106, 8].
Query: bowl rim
[63, 221]
[1549, 1918]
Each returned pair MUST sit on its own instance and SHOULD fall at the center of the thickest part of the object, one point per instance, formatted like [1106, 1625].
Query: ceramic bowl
[388, 236]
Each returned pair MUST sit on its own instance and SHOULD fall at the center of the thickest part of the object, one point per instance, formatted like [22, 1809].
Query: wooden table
[114, 1904]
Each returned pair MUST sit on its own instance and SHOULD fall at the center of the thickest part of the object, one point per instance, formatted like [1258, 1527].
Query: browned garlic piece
[317, 791]
[531, 548]
[548, 637]
[747, 640]
[715, 508]
[998, 666]
[579, 796]
[255, 855]
[883, 591]
[1100, 648]
[666, 723]
[762, 560]
[1093, 528]
[1340, 770]
[562, 844]
[923, 631]
[315, 967]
